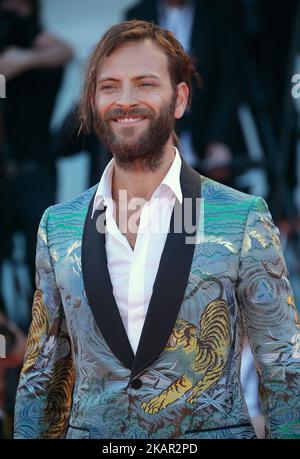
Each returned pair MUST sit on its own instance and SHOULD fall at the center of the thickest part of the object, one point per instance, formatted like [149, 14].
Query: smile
[129, 120]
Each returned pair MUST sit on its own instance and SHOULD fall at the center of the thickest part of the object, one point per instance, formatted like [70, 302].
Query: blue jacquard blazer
[80, 378]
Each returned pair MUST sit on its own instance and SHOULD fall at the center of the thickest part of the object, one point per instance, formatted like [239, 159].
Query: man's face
[136, 104]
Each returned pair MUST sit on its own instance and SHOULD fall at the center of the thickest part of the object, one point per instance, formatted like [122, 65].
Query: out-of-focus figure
[266, 36]
[14, 350]
[207, 32]
[69, 140]
[32, 62]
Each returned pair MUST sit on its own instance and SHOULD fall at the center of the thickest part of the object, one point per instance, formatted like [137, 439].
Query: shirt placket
[137, 283]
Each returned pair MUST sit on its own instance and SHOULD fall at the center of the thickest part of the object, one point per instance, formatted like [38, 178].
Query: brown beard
[146, 152]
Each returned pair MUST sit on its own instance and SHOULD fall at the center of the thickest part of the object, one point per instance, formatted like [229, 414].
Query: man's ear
[182, 99]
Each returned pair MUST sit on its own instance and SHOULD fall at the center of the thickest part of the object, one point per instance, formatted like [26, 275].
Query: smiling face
[136, 104]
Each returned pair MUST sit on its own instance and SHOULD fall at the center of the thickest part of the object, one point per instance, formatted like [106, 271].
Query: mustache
[118, 112]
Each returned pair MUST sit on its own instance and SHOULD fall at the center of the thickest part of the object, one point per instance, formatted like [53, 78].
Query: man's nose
[127, 97]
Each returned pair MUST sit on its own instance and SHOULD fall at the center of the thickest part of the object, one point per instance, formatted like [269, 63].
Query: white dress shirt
[133, 272]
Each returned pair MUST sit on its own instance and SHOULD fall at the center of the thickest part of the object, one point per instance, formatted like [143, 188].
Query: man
[138, 334]
[32, 62]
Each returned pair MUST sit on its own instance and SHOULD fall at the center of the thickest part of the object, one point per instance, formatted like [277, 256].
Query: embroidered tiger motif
[57, 369]
[59, 399]
[38, 329]
[207, 350]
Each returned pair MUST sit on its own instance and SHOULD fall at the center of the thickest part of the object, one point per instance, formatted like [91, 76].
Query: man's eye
[106, 87]
[147, 84]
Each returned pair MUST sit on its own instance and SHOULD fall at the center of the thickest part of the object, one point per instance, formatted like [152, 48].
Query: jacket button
[136, 384]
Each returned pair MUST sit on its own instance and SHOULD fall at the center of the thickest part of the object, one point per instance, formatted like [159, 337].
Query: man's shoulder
[230, 210]
[75, 206]
[214, 192]
[223, 202]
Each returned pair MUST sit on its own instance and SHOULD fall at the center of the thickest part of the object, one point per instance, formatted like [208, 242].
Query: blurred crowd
[243, 129]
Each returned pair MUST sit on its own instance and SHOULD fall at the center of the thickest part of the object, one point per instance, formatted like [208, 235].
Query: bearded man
[145, 281]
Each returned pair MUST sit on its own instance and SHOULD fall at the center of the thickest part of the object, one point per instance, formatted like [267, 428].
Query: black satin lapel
[171, 280]
[99, 290]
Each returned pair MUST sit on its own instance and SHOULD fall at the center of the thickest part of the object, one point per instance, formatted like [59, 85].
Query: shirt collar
[103, 193]
[171, 180]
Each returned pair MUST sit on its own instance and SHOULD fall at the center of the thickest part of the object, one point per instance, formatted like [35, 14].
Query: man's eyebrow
[100, 80]
[141, 77]
[148, 75]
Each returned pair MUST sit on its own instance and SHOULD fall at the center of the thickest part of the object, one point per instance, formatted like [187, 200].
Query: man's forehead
[142, 57]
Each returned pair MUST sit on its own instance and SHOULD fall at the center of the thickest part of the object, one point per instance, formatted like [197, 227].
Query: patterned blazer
[80, 378]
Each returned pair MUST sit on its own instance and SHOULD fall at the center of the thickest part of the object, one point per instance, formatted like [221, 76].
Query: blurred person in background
[69, 140]
[287, 115]
[32, 62]
[269, 115]
[287, 194]
[207, 32]
[233, 132]
[15, 341]
[265, 30]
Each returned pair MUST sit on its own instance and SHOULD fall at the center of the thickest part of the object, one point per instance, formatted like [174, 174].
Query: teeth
[128, 120]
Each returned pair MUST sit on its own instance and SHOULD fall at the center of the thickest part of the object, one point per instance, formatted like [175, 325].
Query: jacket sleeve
[45, 387]
[271, 320]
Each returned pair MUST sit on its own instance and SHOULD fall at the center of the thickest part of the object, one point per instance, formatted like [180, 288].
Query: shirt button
[136, 384]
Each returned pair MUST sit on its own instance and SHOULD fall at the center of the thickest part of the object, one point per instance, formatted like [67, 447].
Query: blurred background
[243, 128]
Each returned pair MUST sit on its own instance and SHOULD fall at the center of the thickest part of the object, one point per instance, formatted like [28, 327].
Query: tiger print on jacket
[208, 347]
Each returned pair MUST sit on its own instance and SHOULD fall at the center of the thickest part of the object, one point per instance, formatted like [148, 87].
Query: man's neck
[141, 183]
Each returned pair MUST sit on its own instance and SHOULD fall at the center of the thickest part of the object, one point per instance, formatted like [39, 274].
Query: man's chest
[128, 223]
